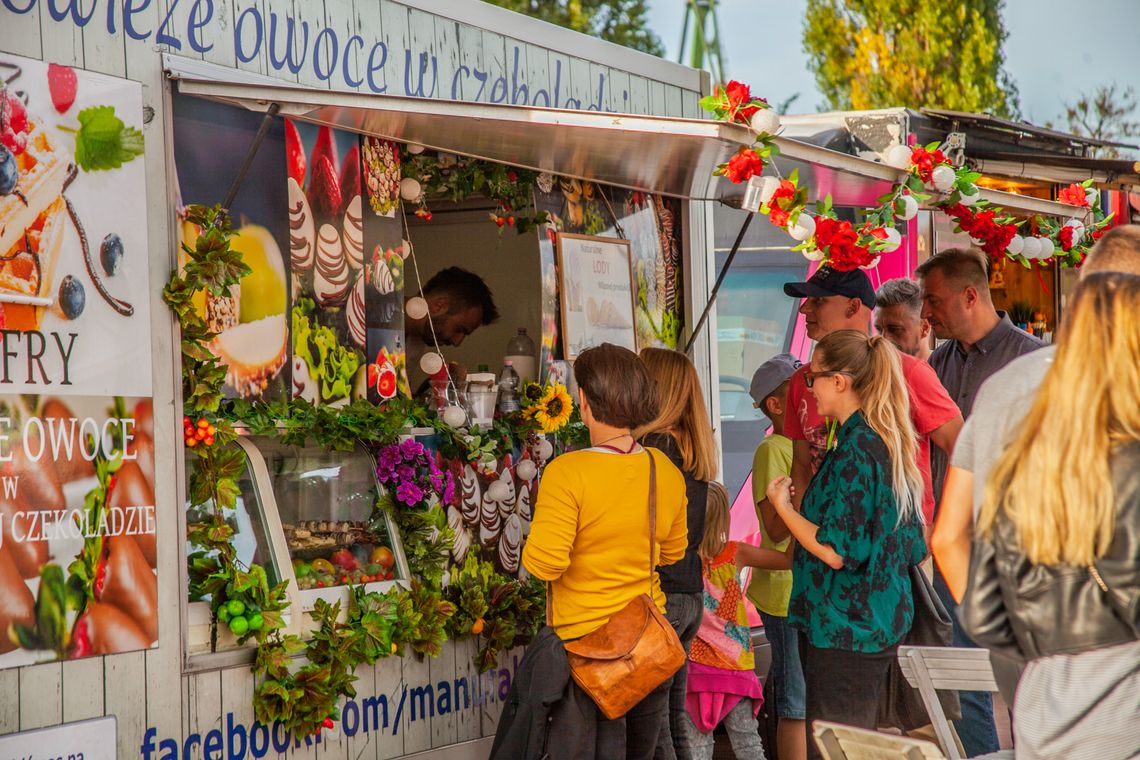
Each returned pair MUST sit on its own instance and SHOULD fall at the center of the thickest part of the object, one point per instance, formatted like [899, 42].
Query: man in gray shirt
[979, 342]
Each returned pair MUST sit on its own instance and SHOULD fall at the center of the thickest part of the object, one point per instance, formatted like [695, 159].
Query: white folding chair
[929, 669]
[839, 742]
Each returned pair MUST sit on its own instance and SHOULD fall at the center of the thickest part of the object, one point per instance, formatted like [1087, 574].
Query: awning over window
[655, 154]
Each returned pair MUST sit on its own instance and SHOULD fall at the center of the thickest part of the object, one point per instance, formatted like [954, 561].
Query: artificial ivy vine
[446, 175]
[300, 682]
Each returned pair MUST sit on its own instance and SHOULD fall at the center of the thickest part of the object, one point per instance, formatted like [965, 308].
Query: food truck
[229, 530]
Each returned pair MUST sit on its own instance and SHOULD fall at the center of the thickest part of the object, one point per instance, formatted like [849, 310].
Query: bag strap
[652, 519]
[652, 538]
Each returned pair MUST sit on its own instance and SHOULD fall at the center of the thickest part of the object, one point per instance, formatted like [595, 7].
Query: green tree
[1105, 114]
[622, 21]
[916, 53]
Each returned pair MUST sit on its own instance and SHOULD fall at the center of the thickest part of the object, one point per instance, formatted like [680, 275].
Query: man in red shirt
[834, 300]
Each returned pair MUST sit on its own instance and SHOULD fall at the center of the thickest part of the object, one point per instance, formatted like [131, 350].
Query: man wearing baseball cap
[835, 300]
[771, 590]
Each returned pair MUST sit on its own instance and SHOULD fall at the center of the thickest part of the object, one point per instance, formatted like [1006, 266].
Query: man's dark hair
[618, 386]
[901, 291]
[465, 289]
[962, 266]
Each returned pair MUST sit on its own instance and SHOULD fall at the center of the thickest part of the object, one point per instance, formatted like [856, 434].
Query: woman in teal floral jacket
[859, 532]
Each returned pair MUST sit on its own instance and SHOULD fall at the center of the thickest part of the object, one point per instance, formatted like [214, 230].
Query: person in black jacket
[683, 432]
[1055, 568]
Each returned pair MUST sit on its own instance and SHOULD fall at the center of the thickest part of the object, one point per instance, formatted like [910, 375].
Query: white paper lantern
[1030, 247]
[544, 449]
[1092, 195]
[893, 239]
[1047, 248]
[943, 178]
[431, 362]
[874, 263]
[526, 470]
[897, 156]
[410, 189]
[416, 307]
[803, 227]
[454, 416]
[769, 188]
[414, 149]
[813, 255]
[909, 208]
[498, 491]
[765, 120]
[971, 198]
[405, 248]
[1016, 245]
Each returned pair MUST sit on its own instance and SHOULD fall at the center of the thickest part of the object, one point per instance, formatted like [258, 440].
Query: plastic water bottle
[508, 388]
[521, 351]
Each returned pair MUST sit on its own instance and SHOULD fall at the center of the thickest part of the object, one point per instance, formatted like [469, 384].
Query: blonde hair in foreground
[717, 519]
[682, 413]
[1054, 481]
[885, 403]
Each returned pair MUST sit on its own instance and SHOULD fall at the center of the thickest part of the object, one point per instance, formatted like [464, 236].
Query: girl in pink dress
[723, 686]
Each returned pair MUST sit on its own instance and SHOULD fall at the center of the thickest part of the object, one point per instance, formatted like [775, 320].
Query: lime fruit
[239, 626]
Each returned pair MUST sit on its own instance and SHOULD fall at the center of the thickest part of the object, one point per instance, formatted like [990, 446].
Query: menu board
[597, 293]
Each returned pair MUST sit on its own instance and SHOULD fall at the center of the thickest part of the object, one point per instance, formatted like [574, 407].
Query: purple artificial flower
[406, 472]
[449, 490]
[410, 449]
[388, 458]
[409, 493]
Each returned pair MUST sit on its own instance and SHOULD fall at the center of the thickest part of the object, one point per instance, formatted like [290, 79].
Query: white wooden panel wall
[463, 62]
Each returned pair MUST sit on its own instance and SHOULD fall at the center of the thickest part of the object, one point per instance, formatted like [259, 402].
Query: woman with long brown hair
[859, 532]
[682, 431]
[1054, 575]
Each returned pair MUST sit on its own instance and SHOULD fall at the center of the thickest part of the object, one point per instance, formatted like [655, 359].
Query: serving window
[307, 515]
[325, 500]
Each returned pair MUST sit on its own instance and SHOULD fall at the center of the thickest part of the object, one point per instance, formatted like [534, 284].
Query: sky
[1053, 53]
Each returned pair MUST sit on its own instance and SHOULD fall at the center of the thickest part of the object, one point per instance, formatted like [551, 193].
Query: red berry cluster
[424, 214]
[201, 432]
[503, 216]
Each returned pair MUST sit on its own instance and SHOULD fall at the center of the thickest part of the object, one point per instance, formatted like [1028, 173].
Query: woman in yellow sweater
[590, 535]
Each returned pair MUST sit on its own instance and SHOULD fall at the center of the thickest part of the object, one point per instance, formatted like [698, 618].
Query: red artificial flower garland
[845, 248]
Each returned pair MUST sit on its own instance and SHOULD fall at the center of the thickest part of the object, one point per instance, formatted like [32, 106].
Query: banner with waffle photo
[73, 233]
[77, 517]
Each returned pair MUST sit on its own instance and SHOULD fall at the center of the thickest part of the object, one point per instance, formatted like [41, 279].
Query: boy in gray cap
[770, 589]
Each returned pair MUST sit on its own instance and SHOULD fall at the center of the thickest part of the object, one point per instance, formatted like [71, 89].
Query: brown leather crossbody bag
[619, 664]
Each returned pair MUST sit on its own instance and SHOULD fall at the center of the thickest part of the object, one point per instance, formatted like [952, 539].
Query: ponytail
[878, 380]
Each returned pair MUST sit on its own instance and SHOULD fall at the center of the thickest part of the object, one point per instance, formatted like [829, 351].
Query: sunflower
[532, 394]
[554, 409]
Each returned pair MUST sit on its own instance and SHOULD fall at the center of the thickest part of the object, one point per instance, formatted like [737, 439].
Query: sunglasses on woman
[809, 377]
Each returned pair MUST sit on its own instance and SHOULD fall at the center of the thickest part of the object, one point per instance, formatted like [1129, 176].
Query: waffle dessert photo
[72, 221]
